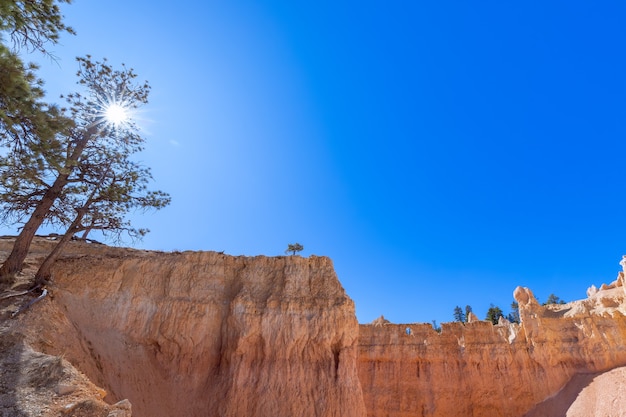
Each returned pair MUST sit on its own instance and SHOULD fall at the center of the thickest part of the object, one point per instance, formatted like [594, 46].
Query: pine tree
[436, 327]
[24, 117]
[493, 314]
[513, 316]
[33, 24]
[293, 248]
[458, 314]
[81, 178]
[26, 121]
[553, 299]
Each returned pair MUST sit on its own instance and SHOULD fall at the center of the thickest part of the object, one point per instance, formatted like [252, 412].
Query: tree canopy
[82, 178]
[514, 316]
[32, 24]
[493, 314]
[68, 167]
[458, 314]
[24, 116]
[553, 299]
[293, 248]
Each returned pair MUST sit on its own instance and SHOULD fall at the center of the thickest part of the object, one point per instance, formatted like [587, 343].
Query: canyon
[129, 332]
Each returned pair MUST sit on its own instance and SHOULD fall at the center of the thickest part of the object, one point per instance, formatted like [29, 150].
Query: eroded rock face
[205, 334]
[587, 395]
[476, 369]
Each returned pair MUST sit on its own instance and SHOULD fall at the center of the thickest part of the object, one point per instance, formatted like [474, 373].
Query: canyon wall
[477, 369]
[206, 334]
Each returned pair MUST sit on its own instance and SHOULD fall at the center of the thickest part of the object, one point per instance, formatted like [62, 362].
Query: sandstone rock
[205, 334]
[244, 336]
[30, 381]
[64, 389]
[380, 321]
[471, 317]
[585, 395]
[591, 291]
[483, 370]
[502, 321]
[121, 409]
[123, 405]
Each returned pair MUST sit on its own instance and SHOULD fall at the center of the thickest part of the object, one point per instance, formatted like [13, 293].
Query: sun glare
[116, 115]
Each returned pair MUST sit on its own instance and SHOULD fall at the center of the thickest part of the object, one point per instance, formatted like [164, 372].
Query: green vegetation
[293, 248]
[493, 314]
[436, 327]
[67, 167]
[553, 299]
[459, 315]
[33, 24]
[513, 316]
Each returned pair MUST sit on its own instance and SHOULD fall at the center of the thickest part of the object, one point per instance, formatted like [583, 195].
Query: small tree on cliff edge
[293, 248]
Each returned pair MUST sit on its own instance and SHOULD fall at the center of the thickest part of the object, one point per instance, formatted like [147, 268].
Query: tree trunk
[13, 264]
[84, 236]
[45, 270]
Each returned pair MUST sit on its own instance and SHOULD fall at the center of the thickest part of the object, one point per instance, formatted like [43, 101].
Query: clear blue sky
[441, 153]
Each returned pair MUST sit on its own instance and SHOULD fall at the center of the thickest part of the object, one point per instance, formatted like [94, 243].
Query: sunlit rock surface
[206, 334]
[477, 369]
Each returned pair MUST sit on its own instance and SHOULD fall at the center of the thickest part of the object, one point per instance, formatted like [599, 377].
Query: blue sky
[441, 153]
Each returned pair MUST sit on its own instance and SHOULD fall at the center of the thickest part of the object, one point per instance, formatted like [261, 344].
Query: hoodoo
[478, 369]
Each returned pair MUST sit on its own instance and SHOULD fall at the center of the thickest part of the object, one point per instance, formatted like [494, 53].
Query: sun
[116, 114]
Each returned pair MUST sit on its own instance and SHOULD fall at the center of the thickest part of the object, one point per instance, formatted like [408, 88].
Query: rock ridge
[480, 369]
[208, 334]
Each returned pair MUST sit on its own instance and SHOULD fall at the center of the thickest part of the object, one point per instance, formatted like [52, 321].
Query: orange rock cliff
[207, 334]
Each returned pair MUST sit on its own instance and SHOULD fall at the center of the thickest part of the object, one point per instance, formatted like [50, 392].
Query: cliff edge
[202, 333]
[506, 370]
[207, 334]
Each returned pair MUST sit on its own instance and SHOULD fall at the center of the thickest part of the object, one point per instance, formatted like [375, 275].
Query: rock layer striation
[205, 334]
[478, 369]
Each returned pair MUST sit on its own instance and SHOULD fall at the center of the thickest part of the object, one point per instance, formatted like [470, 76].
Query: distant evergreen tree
[493, 314]
[436, 326]
[458, 314]
[468, 310]
[513, 316]
[553, 299]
